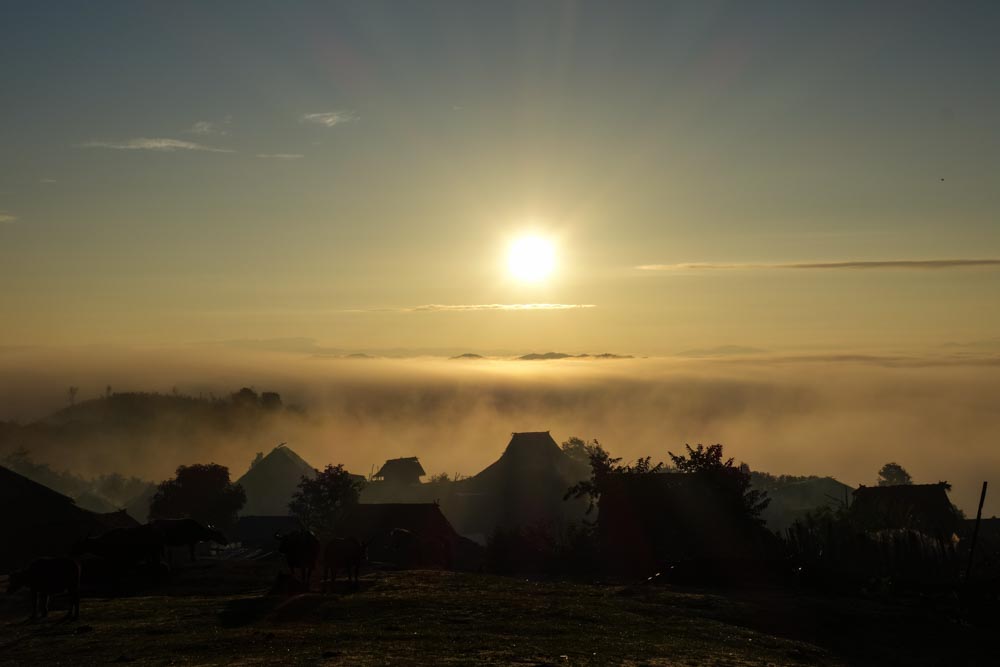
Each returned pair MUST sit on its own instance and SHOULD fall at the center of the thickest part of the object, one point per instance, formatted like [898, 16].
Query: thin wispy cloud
[913, 264]
[458, 308]
[204, 127]
[329, 118]
[7, 218]
[46, 180]
[161, 145]
[281, 156]
[437, 307]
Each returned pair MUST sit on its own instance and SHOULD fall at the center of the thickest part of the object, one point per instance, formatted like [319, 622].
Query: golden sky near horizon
[706, 175]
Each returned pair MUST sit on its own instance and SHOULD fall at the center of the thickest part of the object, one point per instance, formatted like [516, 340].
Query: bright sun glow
[531, 259]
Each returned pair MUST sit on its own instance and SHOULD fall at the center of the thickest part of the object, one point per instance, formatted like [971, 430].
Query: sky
[786, 212]
[189, 171]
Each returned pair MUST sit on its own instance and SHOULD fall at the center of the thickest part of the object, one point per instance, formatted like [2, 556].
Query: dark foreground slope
[218, 613]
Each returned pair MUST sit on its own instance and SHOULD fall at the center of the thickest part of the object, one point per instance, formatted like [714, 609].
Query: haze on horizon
[791, 209]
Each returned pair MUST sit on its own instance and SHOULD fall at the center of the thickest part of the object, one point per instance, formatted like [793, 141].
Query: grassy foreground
[431, 617]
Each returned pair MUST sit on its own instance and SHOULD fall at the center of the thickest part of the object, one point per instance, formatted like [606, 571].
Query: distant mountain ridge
[536, 356]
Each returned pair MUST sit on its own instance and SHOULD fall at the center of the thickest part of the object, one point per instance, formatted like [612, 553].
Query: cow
[187, 532]
[301, 549]
[46, 577]
[414, 550]
[342, 553]
[126, 546]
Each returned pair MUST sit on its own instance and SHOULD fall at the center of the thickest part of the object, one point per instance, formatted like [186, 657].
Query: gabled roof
[532, 454]
[923, 507]
[531, 439]
[26, 502]
[37, 521]
[270, 483]
[404, 467]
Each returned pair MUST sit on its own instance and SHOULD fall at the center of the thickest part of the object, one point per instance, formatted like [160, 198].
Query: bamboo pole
[975, 534]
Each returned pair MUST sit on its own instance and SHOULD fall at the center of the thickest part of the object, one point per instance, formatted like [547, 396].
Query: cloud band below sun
[164, 145]
[913, 264]
[451, 308]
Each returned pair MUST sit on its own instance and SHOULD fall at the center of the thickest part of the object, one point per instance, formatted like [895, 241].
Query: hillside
[136, 433]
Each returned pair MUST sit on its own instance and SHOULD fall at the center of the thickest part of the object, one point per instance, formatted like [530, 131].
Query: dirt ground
[221, 613]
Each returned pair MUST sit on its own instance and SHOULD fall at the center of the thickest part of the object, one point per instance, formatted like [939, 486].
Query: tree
[579, 450]
[732, 482]
[893, 474]
[270, 400]
[72, 392]
[246, 397]
[602, 464]
[320, 502]
[202, 492]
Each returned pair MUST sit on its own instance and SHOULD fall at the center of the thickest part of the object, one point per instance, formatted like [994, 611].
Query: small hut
[400, 472]
[922, 507]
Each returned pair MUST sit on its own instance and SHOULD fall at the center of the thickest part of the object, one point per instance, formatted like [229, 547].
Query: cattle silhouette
[301, 549]
[187, 532]
[412, 549]
[342, 553]
[46, 577]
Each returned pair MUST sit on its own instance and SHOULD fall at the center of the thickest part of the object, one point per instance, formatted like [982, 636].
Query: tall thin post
[975, 533]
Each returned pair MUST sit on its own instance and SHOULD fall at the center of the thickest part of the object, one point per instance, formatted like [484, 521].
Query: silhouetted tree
[321, 501]
[200, 491]
[893, 474]
[602, 464]
[580, 450]
[72, 392]
[270, 400]
[730, 480]
[246, 397]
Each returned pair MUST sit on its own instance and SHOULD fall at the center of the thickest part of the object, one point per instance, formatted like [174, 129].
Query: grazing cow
[126, 546]
[414, 550]
[46, 577]
[342, 553]
[187, 532]
[301, 549]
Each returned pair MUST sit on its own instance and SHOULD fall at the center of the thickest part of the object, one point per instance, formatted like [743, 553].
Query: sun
[531, 259]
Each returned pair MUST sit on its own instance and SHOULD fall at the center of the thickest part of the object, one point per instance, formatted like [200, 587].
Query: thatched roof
[531, 454]
[37, 521]
[407, 468]
[923, 507]
[524, 486]
[271, 482]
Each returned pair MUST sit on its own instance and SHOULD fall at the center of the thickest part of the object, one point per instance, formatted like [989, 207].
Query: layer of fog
[839, 416]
